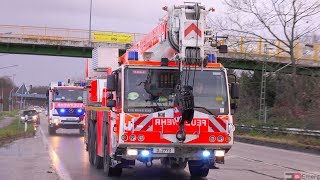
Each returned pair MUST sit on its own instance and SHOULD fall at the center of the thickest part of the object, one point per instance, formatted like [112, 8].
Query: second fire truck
[65, 107]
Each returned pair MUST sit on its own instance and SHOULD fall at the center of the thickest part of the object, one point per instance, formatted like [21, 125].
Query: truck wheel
[51, 130]
[97, 160]
[109, 171]
[81, 131]
[90, 151]
[197, 169]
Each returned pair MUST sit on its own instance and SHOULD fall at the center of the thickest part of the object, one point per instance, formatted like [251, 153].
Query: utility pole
[1, 103]
[263, 90]
[21, 98]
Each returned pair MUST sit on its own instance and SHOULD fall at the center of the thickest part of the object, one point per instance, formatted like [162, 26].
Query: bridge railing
[256, 46]
[50, 33]
[238, 44]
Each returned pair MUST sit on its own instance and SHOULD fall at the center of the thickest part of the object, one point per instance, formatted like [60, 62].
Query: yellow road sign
[112, 37]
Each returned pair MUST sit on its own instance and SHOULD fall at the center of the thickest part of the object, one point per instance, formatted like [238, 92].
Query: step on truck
[65, 106]
[166, 98]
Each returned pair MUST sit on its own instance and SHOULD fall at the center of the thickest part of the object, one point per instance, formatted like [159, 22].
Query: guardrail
[303, 132]
[255, 46]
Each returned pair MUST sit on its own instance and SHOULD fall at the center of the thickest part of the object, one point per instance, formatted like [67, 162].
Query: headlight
[56, 121]
[22, 118]
[132, 152]
[219, 153]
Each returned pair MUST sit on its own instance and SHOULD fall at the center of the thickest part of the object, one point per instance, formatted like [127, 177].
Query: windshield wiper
[205, 110]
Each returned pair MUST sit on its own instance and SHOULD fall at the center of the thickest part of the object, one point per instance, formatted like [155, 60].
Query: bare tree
[286, 21]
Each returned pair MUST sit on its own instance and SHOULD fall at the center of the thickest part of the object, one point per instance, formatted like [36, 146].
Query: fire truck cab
[65, 106]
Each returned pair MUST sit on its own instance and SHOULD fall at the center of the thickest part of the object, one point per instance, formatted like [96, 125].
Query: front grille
[69, 112]
[70, 120]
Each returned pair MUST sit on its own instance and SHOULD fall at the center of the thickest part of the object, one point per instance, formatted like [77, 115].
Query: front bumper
[67, 122]
[67, 126]
[190, 152]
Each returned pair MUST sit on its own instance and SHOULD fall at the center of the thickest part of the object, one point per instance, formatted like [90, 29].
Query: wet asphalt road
[244, 161]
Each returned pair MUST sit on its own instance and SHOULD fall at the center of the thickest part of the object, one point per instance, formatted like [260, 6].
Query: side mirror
[111, 82]
[233, 107]
[111, 103]
[110, 96]
[223, 49]
[235, 91]
[56, 91]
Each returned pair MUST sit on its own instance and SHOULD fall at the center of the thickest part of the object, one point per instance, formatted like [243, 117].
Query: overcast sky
[138, 16]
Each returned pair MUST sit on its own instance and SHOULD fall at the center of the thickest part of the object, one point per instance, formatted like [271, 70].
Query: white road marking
[61, 170]
[278, 149]
[275, 165]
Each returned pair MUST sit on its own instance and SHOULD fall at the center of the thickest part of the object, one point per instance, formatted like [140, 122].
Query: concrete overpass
[244, 52]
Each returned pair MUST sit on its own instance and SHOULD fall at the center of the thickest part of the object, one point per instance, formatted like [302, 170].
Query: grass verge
[7, 113]
[15, 131]
[279, 140]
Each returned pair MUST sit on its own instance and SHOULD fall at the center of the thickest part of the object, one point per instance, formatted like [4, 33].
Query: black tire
[51, 130]
[197, 169]
[109, 171]
[81, 131]
[90, 129]
[97, 160]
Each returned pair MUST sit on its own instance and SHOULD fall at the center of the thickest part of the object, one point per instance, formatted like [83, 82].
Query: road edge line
[61, 170]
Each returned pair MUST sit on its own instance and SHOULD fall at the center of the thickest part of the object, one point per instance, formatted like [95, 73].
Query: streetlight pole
[90, 23]
[11, 100]
[1, 109]
[10, 95]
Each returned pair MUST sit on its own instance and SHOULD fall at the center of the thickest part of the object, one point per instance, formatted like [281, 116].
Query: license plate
[163, 150]
[71, 119]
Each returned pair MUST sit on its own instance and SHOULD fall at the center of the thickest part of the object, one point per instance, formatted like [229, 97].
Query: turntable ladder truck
[163, 99]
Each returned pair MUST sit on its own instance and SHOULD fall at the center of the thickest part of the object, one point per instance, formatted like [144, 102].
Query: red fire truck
[65, 106]
[167, 100]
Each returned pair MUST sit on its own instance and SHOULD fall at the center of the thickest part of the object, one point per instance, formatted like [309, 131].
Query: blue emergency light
[133, 55]
[80, 111]
[211, 58]
[59, 83]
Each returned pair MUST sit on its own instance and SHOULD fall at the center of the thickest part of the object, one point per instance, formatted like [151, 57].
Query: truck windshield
[149, 90]
[68, 95]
